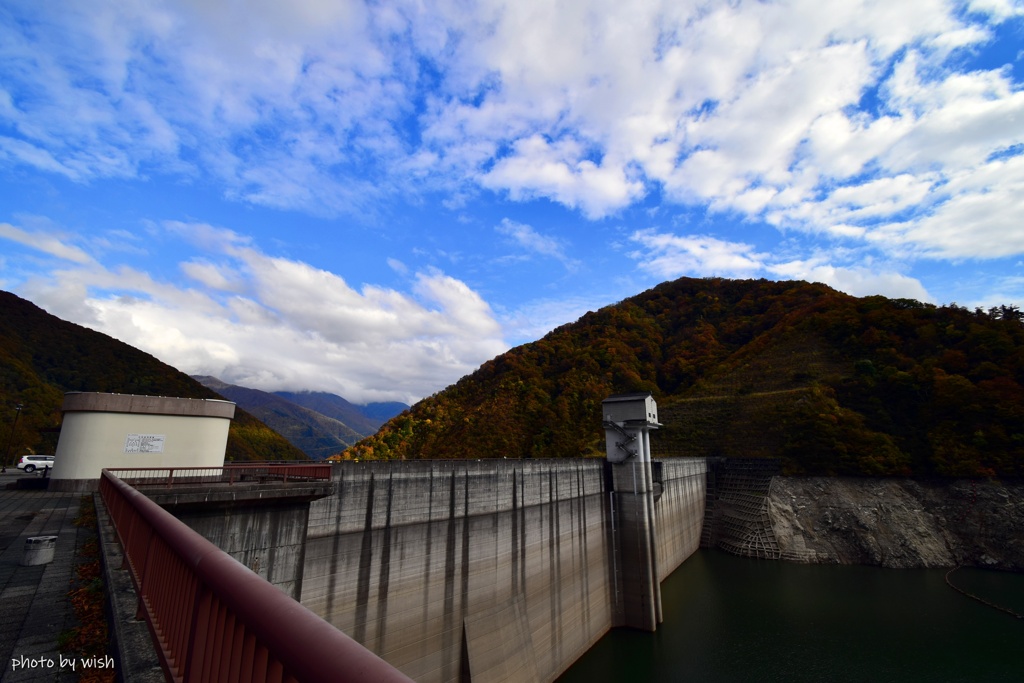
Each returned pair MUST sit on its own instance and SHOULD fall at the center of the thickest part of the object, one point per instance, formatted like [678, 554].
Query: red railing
[212, 619]
[226, 474]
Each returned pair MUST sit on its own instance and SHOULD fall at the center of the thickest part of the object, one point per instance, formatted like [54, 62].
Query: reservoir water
[734, 619]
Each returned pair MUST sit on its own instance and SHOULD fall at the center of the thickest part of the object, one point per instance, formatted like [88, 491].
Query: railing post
[199, 636]
[143, 585]
[123, 540]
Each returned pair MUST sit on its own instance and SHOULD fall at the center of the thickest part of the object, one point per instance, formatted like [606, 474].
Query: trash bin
[39, 550]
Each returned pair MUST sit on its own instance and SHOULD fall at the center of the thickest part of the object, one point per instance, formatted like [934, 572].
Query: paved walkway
[34, 609]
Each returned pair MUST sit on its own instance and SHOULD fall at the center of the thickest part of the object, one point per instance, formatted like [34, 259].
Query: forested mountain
[830, 383]
[42, 357]
[320, 424]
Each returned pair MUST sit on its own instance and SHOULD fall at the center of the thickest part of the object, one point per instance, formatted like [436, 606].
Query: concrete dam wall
[493, 570]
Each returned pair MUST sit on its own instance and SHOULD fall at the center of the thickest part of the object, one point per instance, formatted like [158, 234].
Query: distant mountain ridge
[828, 383]
[318, 423]
[365, 419]
[42, 357]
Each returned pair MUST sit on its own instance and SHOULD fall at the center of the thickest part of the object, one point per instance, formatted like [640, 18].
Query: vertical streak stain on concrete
[301, 560]
[274, 524]
[332, 566]
[384, 578]
[428, 560]
[515, 535]
[522, 535]
[581, 505]
[365, 561]
[464, 583]
[561, 506]
[555, 601]
[447, 638]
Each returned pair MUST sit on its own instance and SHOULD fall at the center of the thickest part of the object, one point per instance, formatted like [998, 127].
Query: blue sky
[374, 198]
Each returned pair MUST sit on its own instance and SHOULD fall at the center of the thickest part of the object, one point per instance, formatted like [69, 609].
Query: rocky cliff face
[899, 523]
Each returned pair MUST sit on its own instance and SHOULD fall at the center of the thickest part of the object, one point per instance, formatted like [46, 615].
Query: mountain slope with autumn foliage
[830, 383]
[42, 357]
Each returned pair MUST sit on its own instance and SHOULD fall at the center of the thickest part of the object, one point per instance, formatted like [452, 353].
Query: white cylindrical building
[124, 430]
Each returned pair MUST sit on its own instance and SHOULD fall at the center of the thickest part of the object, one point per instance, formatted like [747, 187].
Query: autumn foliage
[830, 383]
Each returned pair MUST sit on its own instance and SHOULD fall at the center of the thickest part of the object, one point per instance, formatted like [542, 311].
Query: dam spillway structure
[503, 570]
[628, 420]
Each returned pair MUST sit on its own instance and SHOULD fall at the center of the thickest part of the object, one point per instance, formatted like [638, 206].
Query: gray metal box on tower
[630, 409]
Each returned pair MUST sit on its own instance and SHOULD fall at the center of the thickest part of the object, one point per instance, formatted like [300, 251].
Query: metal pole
[10, 436]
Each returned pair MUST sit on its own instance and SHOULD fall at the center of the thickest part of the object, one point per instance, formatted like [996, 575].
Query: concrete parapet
[262, 526]
[422, 487]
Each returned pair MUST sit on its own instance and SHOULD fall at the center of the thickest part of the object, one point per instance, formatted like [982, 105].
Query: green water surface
[735, 619]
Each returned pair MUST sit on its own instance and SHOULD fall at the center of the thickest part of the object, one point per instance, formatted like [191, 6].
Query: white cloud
[670, 256]
[1001, 9]
[273, 323]
[532, 241]
[979, 219]
[858, 281]
[397, 266]
[560, 171]
[324, 107]
[212, 276]
[48, 244]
